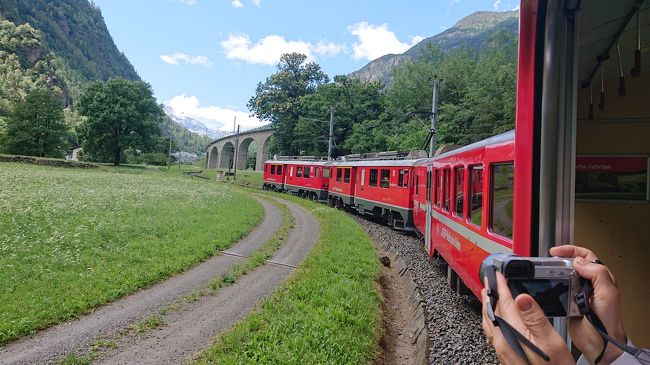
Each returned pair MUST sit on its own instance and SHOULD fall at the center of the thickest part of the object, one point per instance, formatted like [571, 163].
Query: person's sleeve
[624, 359]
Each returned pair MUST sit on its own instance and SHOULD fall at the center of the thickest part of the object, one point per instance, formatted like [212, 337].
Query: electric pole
[331, 135]
[434, 114]
[234, 174]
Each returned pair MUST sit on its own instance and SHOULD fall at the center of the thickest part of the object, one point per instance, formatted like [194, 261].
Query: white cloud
[178, 58]
[256, 2]
[516, 8]
[213, 116]
[375, 41]
[266, 51]
[237, 4]
[188, 2]
[327, 48]
[496, 4]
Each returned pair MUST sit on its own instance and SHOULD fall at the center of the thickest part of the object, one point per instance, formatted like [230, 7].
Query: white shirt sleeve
[624, 359]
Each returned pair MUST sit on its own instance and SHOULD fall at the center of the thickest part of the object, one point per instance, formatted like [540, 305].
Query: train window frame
[435, 187]
[326, 172]
[371, 181]
[403, 178]
[298, 171]
[278, 170]
[384, 181]
[492, 200]
[317, 172]
[272, 170]
[428, 184]
[459, 171]
[470, 182]
[306, 172]
[339, 174]
[446, 189]
[363, 177]
[346, 175]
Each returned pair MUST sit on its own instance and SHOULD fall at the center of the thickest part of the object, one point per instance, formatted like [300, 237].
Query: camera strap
[514, 338]
[582, 300]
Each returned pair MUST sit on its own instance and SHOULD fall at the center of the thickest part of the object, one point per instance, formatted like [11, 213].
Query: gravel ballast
[453, 320]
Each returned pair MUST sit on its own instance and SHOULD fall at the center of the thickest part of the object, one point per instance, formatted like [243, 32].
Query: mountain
[75, 31]
[473, 32]
[192, 124]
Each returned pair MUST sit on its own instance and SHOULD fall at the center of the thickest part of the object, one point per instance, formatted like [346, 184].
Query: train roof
[378, 163]
[498, 139]
[299, 162]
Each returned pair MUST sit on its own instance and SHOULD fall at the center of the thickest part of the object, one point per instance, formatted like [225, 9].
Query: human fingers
[540, 332]
[605, 303]
[572, 251]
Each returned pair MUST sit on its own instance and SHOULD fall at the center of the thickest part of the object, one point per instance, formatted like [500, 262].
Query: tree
[278, 98]
[36, 126]
[121, 114]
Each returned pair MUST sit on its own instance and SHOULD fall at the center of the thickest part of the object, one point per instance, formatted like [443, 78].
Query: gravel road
[453, 321]
[190, 330]
[51, 344]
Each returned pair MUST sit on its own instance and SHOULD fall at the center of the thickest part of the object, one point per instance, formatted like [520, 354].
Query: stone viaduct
[220, 153]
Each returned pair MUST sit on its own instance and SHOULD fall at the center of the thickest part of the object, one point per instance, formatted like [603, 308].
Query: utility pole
[234, 174]
[169, 163]
[434, 114]
[331, 135]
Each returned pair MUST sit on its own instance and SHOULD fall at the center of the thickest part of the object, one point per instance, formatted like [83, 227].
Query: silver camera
[551, 281]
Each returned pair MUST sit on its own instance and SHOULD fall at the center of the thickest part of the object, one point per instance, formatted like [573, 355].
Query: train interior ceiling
[612, 207]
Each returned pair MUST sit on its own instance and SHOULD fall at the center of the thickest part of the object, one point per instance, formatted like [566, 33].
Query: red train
[516, 192]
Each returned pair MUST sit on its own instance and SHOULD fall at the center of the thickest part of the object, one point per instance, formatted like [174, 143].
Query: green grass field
[328, 311]
[72, 239]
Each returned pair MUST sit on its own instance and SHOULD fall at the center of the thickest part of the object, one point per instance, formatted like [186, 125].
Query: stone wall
[46, 161]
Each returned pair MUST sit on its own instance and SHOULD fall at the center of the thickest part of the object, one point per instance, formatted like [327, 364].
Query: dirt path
[190, 330]
[49, 345]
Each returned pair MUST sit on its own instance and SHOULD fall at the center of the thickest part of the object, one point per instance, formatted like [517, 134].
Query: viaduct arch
[220, 153]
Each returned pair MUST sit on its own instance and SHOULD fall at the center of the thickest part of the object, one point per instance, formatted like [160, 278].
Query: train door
[428, 245]
[582, 92]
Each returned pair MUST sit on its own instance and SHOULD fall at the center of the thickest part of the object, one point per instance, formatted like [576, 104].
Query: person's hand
[605, 303]
[525, 315]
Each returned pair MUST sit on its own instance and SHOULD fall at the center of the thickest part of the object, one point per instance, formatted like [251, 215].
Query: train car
[274, 175]
[469, 194]
[308, 178]
[575, 169]
[384, 190]
[343, 178]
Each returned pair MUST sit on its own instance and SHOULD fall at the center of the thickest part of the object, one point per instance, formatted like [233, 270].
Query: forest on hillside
[62, 47]
[477, 100]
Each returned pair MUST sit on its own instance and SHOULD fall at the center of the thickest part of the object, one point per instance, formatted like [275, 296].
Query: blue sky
[205, 57]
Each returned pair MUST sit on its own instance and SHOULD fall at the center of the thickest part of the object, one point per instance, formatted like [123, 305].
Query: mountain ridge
[473, 32]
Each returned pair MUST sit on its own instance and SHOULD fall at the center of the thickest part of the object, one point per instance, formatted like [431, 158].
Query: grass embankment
[247, 178]
[72, 239]
[328, 311]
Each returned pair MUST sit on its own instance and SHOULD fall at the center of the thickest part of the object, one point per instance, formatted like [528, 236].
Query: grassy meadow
[328, 311]
[73, 239]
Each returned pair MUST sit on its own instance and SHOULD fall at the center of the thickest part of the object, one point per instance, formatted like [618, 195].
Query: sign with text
[612, 178]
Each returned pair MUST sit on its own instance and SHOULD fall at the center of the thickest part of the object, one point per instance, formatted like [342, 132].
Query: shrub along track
[188, 329]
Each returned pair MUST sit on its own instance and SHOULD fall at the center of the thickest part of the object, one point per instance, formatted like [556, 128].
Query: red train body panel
[471, 195]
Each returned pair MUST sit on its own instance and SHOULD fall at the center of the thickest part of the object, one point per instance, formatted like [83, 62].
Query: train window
[273, 169]
[299, 171]
[339, 174]
[363, 176]
[306, 172]
[278, 171]
[346, 176]
[373, 177]
[459, 175]
[501, 194]
[326, 172]
[385, 178]
[429, 182]
[476, 194]
[403, 179]
[436, 189]
[417, 184]
[445, 188]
